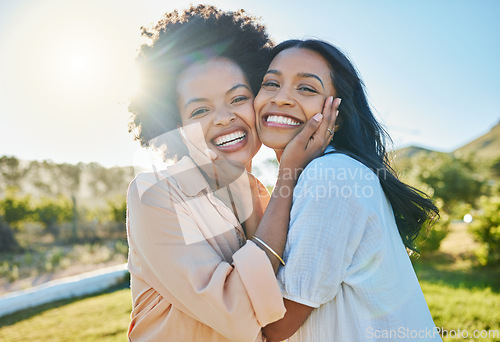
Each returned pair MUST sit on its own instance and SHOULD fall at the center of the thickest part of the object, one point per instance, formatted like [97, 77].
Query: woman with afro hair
[203, 248]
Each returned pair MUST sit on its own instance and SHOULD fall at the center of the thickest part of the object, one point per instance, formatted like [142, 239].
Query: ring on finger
[329, 130]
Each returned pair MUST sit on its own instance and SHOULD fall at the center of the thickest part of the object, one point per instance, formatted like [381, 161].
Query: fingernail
[337, 114]
[318, 117]
[340, 100]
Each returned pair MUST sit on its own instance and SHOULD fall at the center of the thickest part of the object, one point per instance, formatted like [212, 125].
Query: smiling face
[294, 89]
[216, 95]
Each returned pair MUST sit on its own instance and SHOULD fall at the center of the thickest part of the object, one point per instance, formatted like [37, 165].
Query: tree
[443, 176]
[13, 211]
[52, 212]
[486, 229]
[118, 211]
[11, 171]
[8, 242]
[429, 241]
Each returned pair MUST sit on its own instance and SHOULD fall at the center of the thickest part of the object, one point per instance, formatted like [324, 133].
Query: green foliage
[51, 212]
[495, 168]
[455, 181]
[486, 229]
[15, 210]
[431, 240]
[118, 210]
[10, 171]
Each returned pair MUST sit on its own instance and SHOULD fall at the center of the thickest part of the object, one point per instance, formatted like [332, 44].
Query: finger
[335, 113]
[331, 124]
[309, 129]
[327, 114]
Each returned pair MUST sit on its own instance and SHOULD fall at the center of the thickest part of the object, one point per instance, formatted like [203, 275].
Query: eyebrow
[300, 74]
[202, 99]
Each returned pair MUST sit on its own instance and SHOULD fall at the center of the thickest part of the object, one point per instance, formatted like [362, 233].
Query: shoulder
[151, 188]
[337, 167]
[146, 180]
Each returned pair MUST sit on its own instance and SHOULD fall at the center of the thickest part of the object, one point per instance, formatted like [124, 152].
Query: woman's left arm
[296, 314]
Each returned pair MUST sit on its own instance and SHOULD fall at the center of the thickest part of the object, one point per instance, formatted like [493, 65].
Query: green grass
[103, 317]
[461, 299]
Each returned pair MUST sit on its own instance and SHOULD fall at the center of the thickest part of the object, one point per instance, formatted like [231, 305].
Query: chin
[275, 141]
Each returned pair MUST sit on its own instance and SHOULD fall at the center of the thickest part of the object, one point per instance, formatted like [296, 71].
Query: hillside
[485, 147]
[409, 152]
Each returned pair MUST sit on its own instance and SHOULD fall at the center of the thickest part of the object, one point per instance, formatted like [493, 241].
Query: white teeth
[230, 139]
[282, 120]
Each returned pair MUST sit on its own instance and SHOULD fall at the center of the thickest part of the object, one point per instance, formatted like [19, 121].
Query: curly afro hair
[177, 41]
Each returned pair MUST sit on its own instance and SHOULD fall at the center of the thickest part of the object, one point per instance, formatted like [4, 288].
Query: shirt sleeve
[327, 222]
[235, 300]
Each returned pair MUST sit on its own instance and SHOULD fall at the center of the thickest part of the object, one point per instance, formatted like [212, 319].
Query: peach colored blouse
[194, 277]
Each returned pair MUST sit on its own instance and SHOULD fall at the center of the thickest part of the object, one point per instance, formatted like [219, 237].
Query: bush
[15, 210]
[431, 240]
[486, 229]
[51, 212]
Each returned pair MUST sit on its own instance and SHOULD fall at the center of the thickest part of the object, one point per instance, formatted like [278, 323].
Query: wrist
[289, 172]
[284, 186]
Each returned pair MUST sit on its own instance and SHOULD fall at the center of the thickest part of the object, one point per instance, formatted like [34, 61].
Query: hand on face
[295, 88]
[312, 141]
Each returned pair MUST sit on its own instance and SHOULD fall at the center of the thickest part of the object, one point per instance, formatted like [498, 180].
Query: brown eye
[198, 112]
[270, 84]
[239, 99]
[307, 89]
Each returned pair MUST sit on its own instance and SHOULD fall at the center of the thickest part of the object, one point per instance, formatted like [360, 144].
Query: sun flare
[76, 63]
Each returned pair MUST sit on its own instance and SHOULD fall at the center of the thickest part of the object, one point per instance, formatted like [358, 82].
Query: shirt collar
[188, 177]
[329, 149]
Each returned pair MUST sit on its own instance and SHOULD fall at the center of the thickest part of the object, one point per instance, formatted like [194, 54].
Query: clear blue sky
[431, 68]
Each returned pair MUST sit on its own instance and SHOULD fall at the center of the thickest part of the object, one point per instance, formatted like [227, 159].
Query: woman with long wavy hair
[348, 276]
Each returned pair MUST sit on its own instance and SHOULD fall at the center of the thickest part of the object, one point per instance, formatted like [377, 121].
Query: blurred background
[432, 75]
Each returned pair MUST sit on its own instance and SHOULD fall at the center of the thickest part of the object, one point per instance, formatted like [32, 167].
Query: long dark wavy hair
[361, 137]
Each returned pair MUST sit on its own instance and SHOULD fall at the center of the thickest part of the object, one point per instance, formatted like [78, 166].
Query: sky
[431, 68]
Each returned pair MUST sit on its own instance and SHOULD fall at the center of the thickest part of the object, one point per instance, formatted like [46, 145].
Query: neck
[248, 167]
[279, 153]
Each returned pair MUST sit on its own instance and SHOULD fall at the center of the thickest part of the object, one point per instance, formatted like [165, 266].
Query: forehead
[299, 60]
[214, 74]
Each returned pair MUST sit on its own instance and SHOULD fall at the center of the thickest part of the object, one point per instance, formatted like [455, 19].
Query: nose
[283, 97]
[224, 117]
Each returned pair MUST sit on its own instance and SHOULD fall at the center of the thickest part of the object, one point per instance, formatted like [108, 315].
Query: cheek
[259, 102]
[313, 107]
[248, 115]
[204, 124]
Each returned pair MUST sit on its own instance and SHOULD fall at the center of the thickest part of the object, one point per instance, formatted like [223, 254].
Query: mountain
[410, 152]
[485, 147]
